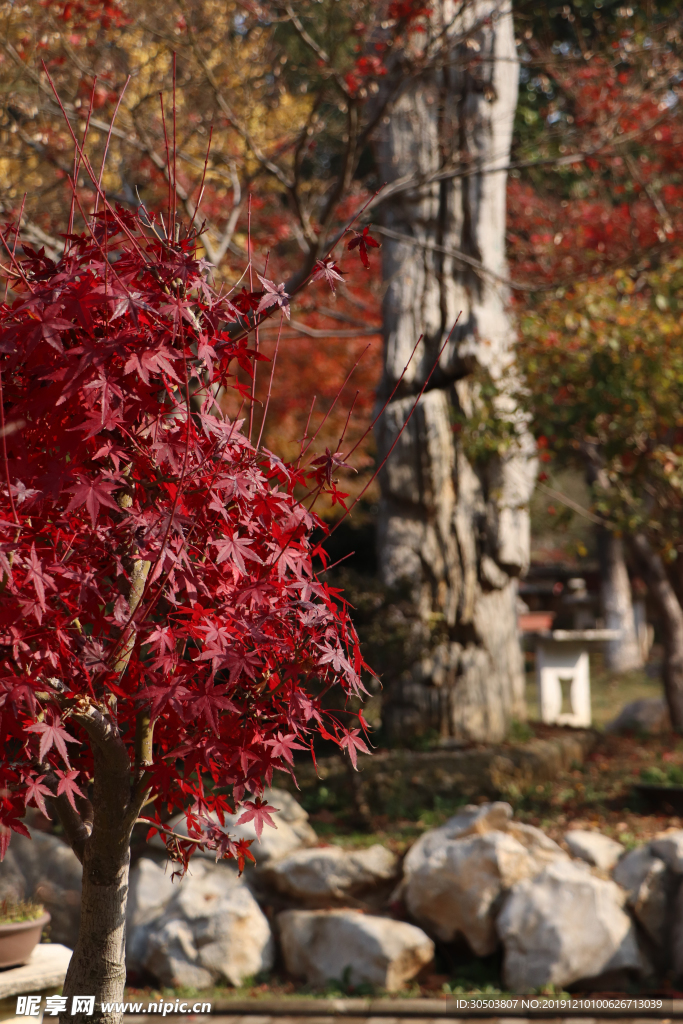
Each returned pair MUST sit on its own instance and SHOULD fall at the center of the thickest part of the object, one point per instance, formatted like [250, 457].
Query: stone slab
[45, 969]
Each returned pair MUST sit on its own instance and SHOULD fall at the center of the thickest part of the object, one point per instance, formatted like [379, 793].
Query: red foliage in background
[622, 158]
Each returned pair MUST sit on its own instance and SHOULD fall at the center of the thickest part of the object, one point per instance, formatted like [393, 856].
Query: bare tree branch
[265, 161]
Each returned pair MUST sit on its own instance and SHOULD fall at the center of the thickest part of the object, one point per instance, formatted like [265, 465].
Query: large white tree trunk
[617, 604]
[458, 532]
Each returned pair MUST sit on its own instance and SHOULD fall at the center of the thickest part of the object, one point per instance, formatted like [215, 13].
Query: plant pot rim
[20, 926]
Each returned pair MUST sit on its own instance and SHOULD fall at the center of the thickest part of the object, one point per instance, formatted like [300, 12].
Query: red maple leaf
[174, 692]
[208, 699]
[351, 740]
[247, 301]
[362, 240]
[329, 463]
[242, 851]
[38, 576]
[93, 494]
[52, 733]
[274, 295]
[258, 812]
[21, 691]
[236, 549]
[50, 326]
[67, 784]
[284, 745]
[329, 270]
[36, 791]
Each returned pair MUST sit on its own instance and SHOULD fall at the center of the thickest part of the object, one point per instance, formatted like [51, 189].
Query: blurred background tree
[613, 352]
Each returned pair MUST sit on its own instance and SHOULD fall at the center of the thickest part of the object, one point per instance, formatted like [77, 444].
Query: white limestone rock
[544, 849]
[478, 818]
[596, 849]
[235, 942]
[669, 846]
[327, 874]
[206, 928]
[324, 945]
[454, 875]
[453, 887]
[564, 926]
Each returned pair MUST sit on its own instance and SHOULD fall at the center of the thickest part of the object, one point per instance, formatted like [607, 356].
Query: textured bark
[670, 609]
[617, 604]
[458, 532]
[100, 836]
[98, 963]
[97, 966]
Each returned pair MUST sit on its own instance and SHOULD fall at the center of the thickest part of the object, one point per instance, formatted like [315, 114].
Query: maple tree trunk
[98, 963]
[615, 588]
[458, 531]
[100, 836]
[663, 593]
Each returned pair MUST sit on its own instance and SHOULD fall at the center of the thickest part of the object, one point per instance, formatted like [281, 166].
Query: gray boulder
[454, 876]
[172, 957]
[150, 890]
[632, 870]
[328, 945]
[594, 848]
[44, 868]
[649, 715]
[653, 902]
[328, 874]
[198, 931]
[564, 926]
[677, 936]
[649, 889]
[670, 848]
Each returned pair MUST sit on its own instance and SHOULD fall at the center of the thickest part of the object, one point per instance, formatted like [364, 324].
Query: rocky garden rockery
[585, 911]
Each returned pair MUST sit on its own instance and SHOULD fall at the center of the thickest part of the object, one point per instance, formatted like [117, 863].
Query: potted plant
[21, 925]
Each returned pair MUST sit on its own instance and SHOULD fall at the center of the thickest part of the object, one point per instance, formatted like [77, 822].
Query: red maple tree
[166, 638]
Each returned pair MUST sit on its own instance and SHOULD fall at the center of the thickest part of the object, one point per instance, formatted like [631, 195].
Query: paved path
[335, 1019]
